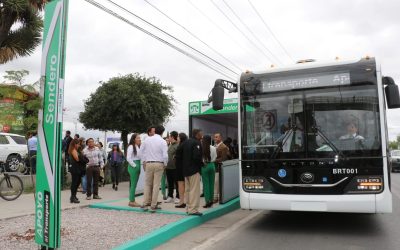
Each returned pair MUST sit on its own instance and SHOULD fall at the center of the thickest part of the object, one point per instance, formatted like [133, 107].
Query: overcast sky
[99, 46]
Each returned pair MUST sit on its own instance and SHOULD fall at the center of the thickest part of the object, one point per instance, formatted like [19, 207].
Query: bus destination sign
[304, 82]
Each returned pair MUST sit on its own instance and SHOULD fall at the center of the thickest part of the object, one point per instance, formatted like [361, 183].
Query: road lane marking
[221, 235]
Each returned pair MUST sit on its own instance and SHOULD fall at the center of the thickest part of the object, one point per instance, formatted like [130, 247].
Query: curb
[104, 205]
[171, 230]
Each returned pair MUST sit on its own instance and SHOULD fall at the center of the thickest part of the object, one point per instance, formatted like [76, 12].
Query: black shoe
[183, 205]
[96, 197]
[113, 186]
[74, 200]
[207, 205]
[197, 214]
[202, 195]
[116, 188]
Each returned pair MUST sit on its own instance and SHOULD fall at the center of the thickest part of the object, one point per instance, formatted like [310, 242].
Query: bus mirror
[392, 93]
[218, 95]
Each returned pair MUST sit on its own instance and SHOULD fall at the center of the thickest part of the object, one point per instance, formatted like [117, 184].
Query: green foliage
[129, 103]
[395, 144]
[15, 76]
[21, 39]
[32, 105]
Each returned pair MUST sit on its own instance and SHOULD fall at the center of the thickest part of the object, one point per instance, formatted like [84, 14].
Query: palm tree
[20, 27]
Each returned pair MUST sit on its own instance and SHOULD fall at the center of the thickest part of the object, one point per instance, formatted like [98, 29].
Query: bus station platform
[116, 225]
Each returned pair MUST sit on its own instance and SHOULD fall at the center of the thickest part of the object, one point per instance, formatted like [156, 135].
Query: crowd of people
[185, 162]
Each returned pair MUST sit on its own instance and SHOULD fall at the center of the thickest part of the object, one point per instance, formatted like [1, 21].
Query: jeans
[115, 173]
[32, 161]
[84, 184]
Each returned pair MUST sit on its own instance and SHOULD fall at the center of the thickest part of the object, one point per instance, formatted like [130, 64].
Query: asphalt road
[302, 230]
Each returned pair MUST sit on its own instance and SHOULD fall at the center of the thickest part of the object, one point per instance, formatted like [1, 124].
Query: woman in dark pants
[78, 166]
[115, 158]
[179, 171]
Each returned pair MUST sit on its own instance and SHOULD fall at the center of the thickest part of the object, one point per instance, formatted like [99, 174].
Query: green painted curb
[171, 230]
[110, 201]
[104, 205]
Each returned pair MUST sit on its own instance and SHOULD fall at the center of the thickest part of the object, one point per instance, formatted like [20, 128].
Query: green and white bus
[313, 136]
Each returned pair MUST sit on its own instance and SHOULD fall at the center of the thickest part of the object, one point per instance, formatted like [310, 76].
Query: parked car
[13, 151]
[395, 159]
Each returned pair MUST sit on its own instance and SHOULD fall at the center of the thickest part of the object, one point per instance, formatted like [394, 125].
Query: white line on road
[211, 241]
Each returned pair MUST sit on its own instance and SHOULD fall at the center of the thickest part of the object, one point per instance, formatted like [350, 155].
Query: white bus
[313, 136]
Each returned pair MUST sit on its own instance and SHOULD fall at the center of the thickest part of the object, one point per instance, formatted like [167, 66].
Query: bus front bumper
[356, 203]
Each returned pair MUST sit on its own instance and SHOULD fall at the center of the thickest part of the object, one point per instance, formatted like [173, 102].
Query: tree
[127, 104]
[20, 27]
[17, 77]
[395, 144]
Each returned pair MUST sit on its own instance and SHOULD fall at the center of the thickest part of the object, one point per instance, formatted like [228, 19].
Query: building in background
[13, 110]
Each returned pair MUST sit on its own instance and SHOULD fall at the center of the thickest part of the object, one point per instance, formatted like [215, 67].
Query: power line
[193, 35]
[241, 32]
[157, 38]
[251, 32]
[270, 30]
[173, 37]
[222, 30]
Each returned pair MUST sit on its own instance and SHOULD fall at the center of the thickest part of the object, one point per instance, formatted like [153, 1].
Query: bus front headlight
[256, 184]
[365, 184]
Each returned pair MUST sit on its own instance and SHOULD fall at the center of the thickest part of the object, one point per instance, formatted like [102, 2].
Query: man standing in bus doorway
[192, 162]
[222, 155]
[154, 155]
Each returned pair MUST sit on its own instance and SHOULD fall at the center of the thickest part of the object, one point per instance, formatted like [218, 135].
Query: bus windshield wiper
[282, 142]
[316, 130]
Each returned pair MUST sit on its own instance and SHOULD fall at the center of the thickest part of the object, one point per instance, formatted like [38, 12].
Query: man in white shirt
[95, 157]
[154, 155]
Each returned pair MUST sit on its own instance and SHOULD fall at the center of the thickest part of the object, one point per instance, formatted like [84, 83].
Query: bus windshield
[313, 123]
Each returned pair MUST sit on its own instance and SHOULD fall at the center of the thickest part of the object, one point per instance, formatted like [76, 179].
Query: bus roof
[309, 65]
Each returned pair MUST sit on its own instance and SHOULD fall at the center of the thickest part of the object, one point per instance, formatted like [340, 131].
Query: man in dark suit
[223, 154]
[192, 162]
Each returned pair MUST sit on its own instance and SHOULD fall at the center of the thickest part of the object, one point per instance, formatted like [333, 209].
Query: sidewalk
[127, 227]
[25, 204]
